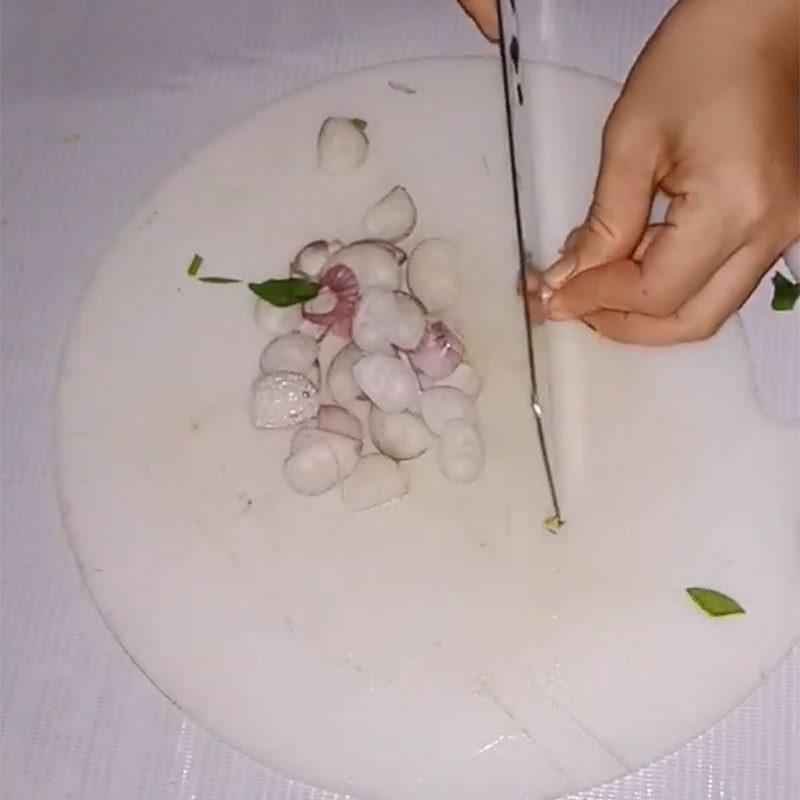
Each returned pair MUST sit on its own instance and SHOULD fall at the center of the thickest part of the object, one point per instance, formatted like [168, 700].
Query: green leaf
[216, 279]
[361, 124]
[553, 524]
[285, 291]
[784, 293]
[195, 265]
[714, 603]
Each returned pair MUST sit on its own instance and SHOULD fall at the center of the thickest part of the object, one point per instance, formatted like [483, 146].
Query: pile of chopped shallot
[360, 360]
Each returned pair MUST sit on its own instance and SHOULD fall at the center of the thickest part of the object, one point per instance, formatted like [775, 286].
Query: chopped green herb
[361, 124]
[286, 291]
[714, 603]
[195, 265]
[553, 524]
[784, 292]
[216, 279]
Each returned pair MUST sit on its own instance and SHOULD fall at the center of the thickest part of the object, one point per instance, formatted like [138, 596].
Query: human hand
[709, 115]
[484, 13]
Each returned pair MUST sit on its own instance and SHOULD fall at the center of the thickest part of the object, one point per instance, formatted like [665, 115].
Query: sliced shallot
[336, 301]
[439, 352]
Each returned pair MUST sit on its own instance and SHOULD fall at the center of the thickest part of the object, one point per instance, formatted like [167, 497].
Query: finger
[677, 259]
[591, 290]
[621, 204]
[484, 14]
[701, 316]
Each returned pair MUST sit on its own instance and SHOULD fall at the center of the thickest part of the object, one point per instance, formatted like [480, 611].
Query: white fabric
[100, 100]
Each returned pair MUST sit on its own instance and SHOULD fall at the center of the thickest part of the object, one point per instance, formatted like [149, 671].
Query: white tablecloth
[99, 101]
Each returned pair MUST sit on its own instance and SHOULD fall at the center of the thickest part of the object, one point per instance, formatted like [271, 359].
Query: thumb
[620, 207]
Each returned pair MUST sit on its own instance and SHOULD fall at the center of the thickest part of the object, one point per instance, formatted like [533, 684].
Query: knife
[522, 186]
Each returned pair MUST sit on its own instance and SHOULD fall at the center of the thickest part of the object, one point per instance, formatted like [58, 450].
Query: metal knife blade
[522, 184]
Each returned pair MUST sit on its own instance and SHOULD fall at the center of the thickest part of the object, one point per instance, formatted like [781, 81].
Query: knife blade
[522, 185]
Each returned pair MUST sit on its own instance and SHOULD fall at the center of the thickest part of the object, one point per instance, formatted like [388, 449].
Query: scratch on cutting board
[486, 165]
[505, 737]
[488, 692]
[578, 724]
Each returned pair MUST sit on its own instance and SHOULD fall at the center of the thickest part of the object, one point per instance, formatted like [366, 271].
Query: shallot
[339, 420]
[341, 382]
[310, 260]
[401, 435]
[275, 320]
[388, 382]
[292, 352]
[375, 481]
[341, 146]
[373, 263]
[439, 352]
[336, 300]
[460, 451]
[442, 404]
[432, 275]
[393, 217]
[386, 319]
[283, 399]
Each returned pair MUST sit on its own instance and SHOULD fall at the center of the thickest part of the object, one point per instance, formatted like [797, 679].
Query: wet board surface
[445, 646]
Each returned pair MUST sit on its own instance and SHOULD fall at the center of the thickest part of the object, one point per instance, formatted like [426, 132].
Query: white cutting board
[446, 646]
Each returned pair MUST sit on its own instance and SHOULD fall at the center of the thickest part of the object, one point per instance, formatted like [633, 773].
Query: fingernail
[558, 274]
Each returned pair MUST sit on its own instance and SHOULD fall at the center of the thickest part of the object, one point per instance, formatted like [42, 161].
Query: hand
[709, 114]
[484, 12]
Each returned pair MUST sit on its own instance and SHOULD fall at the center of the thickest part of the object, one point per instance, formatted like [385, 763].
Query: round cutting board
[445, 646]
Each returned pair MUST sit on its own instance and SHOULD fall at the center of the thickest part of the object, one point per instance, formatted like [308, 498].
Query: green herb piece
[361, 124]
[784, 293]
[216, 279]
[714, 603]
[285, 291]
[553, 524]
[194, 267]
